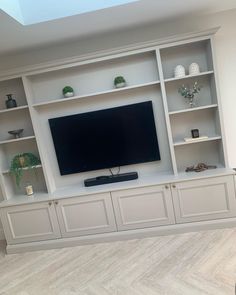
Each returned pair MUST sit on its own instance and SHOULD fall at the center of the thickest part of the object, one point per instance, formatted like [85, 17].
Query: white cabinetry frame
[85, 215]
[164, 197]
[143, 207]
[28, 223]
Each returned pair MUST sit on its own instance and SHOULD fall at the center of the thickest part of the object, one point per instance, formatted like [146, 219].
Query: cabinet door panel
[86, 215]
[204, 199]
[143, 207]
[29, 223]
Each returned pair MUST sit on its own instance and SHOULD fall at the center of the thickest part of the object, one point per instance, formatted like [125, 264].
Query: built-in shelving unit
[149, 74]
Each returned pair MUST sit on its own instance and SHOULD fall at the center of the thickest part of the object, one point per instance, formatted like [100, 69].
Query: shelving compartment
[206, 121]
[34, 176]
[206, 96]
[210, 153]
[196, 52]
[13, 121]
[152, 93]
[94, 78]
[15, 87]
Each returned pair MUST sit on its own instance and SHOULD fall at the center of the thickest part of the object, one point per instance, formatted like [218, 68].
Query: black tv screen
[105, 138]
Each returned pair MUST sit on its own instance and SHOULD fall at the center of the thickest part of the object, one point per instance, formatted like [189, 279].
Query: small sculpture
[17, 133]
[200, 167]
[179, 71]
[194, 69]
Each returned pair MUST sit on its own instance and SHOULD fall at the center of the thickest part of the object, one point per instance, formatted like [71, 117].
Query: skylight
[29, 12]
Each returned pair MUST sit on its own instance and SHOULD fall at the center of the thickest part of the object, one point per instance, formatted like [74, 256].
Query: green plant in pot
[22, 162]
[119, 82]
[68, 91]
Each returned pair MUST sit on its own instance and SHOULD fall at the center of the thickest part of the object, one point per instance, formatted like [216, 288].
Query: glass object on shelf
[10, 102]
[190, 93]
[16, 133]
[179, 71]
[29, 190]
[119, 82]
[68, 91]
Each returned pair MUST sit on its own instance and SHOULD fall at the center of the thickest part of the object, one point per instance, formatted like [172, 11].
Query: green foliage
[118, 80]
[67, 89]
[21, 161]
[188, 92]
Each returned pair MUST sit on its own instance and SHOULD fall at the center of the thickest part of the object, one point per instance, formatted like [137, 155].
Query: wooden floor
[188, 264]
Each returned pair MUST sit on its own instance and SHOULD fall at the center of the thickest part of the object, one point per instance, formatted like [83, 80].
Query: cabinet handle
[166, 186]
[174, 186]
[56, 202]
[50, 203]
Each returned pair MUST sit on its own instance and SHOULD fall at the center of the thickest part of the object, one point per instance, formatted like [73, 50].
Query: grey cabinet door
[204, 199]
[30, 223]
[86, 215]
[143, 207]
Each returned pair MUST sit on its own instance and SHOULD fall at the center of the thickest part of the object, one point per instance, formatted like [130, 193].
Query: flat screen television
[105, 139]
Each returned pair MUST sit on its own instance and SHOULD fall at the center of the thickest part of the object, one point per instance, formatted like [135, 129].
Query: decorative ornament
[194, 69]
[179, 71]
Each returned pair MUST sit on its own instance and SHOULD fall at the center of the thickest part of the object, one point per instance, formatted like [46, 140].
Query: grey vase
[10, 102]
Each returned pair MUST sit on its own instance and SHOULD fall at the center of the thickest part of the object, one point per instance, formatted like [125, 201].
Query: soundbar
[105, 179]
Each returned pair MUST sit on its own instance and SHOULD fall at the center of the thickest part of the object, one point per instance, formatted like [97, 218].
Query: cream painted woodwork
[63, 211]
[85, 215]
[204, 199]
[27, 223]
[143, 207]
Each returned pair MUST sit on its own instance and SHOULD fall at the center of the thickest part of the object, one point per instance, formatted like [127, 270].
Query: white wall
[225, 55]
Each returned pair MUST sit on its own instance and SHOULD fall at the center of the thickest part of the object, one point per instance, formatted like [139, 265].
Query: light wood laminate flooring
[187, 264]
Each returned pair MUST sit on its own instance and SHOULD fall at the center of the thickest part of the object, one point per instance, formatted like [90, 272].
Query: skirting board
[122, 235]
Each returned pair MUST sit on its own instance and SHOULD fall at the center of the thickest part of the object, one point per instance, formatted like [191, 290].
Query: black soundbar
[110, 178]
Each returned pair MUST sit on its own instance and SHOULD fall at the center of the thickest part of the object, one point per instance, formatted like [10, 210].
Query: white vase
[120, 85]
[194, 69]
[179, 71]
[69, 94]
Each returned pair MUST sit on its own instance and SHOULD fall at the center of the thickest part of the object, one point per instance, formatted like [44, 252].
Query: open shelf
[14, 109]
[26, 168]
[56, 101]
[17, 139]
[194, 109]
[212, 138]
[189, 76]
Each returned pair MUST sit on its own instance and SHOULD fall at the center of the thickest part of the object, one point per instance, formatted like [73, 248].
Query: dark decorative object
[195, 133]
[16, 133]
[10, 102]
[68, 91]
[119, 82]
[23, 162]
[200, 167]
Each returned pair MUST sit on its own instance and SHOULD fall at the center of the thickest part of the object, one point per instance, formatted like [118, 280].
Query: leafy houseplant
[68, 91]
[119, 82]
[189, 93]
[21, 162]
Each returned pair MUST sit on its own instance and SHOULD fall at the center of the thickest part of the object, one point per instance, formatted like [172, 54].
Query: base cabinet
[143, 207]
[86, 215]
[30, 223]
[204, 199]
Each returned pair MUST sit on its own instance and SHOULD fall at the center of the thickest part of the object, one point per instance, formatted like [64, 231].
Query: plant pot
[68, 94]
[120, 85]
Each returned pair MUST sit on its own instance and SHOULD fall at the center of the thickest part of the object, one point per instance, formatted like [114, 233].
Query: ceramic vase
[179, 71]
[194, 69]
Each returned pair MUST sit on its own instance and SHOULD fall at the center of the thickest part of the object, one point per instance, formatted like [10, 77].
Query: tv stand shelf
[164, 197]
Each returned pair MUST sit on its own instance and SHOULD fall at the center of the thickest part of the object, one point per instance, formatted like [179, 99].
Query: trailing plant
[21, 161]
[67, 89]
[119, 80]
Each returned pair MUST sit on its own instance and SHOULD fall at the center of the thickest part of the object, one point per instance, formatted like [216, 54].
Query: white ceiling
[15, 37]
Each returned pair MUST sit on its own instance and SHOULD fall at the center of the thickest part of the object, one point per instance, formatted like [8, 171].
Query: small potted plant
[68, 91]
[21, 162]
[190, 93]
[119, 82]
